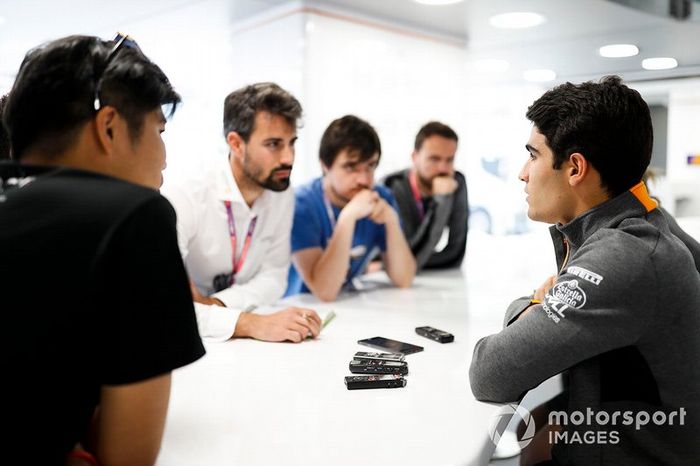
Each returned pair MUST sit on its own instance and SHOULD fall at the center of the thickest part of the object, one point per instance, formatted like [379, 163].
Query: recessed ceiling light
[491, 65]
[539, 76]
[659, 63]
[438, 2]
[517, 20]
[618, 50]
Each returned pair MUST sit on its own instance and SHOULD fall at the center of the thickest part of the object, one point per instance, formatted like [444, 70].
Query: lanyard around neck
[329, 211]
[357, 251]
[238, 265]
[413, 181]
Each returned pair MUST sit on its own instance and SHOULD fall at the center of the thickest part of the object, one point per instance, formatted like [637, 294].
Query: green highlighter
[327, 318]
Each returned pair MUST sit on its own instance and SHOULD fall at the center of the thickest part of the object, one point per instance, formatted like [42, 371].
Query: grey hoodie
[624, 319]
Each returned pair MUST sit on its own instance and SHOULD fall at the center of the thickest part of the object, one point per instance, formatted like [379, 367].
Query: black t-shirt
[94, 292]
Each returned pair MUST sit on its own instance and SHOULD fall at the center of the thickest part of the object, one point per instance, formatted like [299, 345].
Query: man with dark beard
[234, 222]
[432, 199]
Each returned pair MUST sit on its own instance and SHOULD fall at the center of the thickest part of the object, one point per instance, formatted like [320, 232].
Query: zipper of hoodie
[566, 256]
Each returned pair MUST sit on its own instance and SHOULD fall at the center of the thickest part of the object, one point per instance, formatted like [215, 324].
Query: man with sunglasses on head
[96, 300]
[342, 220]
[235, 218]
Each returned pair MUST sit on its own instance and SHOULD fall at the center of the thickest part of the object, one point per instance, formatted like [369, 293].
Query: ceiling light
[659, 63]
[539, 76]
[437, 2]
[491, 65]
[517, 20]
[618, 50]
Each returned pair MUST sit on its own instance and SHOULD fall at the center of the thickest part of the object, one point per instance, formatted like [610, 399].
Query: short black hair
[607, 122]
[53, 95]
[241, 106]
[434, 128]
[4, 135]
[351, 133]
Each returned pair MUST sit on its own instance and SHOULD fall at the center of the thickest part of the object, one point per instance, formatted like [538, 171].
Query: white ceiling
[567, 42]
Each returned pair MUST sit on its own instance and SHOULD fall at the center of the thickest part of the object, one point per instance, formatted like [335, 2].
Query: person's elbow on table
[490, 381]
[404, 282]
[325, 295]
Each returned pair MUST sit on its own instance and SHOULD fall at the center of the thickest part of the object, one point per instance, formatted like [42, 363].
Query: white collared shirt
[205, 244]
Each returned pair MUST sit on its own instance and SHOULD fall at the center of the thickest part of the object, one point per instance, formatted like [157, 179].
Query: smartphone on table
[393, 346]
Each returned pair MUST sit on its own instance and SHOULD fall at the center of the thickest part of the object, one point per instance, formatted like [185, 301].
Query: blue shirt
[313, 229]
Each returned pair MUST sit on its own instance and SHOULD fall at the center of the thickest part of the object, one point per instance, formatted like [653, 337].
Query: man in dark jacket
[432, 199]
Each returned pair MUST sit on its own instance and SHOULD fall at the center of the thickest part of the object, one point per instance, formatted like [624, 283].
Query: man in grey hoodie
[621, 317]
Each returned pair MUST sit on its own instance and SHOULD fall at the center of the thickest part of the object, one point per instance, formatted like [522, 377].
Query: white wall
[680, 189]
[396, 82]
[684, 140]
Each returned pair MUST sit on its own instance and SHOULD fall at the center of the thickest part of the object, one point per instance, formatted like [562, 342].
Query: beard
[274, 183]
[428, 182]
[254, 173]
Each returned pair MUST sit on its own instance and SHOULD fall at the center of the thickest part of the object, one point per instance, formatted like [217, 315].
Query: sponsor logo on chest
[562, 296]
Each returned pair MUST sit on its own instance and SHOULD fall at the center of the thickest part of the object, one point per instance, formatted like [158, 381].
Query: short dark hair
[351, 133]
[4, 135]
[434, 128]
[241, 106]
[53, 95]
[607, 122]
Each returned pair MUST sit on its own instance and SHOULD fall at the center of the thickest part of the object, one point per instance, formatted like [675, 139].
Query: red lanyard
[237, 266]
[416, 194]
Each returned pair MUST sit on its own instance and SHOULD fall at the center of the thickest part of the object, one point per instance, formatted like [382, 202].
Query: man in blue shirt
[341, 219]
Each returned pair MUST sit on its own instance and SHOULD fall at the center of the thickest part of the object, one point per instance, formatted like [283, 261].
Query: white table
[256, 403]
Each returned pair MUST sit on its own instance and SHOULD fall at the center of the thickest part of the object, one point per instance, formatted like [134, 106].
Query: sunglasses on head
[120, 41]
